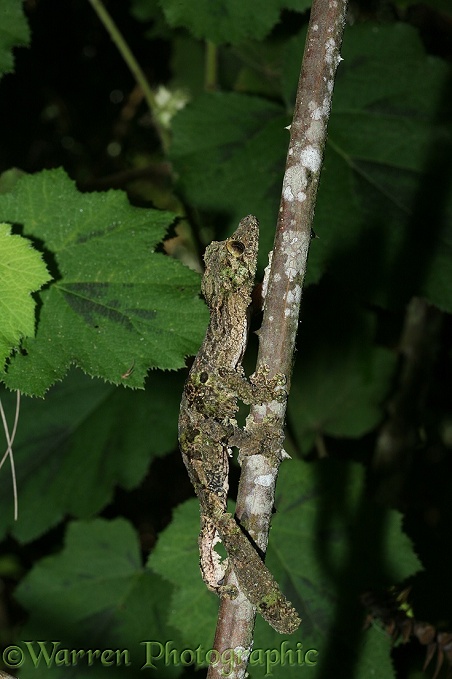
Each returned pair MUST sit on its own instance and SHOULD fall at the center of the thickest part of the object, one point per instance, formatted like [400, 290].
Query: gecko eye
[203, 377]
[235, 247]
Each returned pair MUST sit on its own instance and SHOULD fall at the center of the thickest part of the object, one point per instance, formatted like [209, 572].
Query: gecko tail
[254, 578]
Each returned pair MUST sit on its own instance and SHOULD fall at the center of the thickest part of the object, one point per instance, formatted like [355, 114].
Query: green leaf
[94, 594]
[341, 378]
[244, 140]
[14, 32]
[228, 21]
[116, 307]
[375, 655]
[323, 508]
[387, 178]
[22, 271]
[340, 399]
[74, 448]
[380, 185]
[176, 559]
[334, 544]
[316, 553]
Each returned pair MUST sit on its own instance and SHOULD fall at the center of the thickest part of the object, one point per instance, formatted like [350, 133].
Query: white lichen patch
[265, 480]
[295, 247]
[318, 112]
[294, 183]
[293, 298]
[330, 47]
[314, 132]
[287, 193]
[241, 654]
[310, 158]
[267, 275]
[258, 465]
[290, 241]
[242, 616]
[333, 59]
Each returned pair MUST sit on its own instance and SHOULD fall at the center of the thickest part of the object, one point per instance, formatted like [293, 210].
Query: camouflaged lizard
[207, 423]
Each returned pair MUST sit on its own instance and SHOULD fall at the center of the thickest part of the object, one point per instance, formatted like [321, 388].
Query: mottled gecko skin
[207, 422]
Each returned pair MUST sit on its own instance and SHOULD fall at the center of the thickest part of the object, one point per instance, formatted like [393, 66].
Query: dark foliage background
[366, 503]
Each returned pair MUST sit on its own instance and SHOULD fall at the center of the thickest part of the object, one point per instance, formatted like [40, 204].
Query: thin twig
[133, 65]
[280, 321]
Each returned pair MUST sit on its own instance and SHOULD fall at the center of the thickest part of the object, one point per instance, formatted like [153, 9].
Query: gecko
[207, 424]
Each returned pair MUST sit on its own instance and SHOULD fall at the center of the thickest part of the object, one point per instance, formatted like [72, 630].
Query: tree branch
[282, 304]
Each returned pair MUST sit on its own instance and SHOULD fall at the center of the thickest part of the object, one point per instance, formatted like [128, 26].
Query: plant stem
[398, 437]
[133, 65]
[282, 304]
[211, 72]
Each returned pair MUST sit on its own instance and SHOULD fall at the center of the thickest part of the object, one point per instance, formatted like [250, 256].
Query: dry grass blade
[9, 452]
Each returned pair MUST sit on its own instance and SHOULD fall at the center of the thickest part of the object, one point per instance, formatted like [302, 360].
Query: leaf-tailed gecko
[207, 423]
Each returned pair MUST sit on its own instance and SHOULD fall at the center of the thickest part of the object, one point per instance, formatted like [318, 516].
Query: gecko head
[231, 264]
